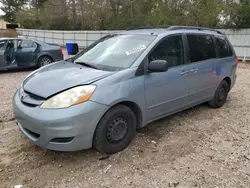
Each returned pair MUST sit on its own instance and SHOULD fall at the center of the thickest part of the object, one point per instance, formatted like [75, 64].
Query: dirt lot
[200, 147]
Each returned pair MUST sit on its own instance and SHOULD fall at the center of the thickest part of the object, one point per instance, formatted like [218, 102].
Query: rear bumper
[68, 129]
[59, 58]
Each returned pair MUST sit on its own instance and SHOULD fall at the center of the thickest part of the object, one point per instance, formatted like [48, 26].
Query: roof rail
[150, 27]
[171, 28]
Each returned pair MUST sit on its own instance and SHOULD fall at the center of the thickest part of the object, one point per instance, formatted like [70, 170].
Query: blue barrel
[72, 48]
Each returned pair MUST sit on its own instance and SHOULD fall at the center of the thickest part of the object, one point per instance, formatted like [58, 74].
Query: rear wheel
[220, 96]
[43, 61]
[115, 130]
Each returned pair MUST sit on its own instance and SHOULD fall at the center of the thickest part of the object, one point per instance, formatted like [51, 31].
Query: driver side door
[167, 92]
[26, 52]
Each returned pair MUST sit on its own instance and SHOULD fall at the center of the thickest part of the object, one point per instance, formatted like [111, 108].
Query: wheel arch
[44, 55]
[228, 80]
[135, 109]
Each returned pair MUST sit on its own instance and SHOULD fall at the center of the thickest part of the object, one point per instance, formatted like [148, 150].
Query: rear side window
[28, 44]
[224, 47]
[201, 47]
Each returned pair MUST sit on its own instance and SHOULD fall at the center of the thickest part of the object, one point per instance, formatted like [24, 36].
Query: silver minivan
[121, 83]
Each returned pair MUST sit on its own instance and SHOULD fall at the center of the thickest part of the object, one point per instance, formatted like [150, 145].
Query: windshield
[115, 52]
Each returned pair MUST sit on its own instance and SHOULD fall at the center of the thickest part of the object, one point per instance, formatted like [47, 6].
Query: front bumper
[69, 129]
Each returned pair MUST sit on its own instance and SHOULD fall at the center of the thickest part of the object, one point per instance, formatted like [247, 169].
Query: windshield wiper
[87, 65]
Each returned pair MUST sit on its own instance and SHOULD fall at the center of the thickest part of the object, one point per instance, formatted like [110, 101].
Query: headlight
[70, 97]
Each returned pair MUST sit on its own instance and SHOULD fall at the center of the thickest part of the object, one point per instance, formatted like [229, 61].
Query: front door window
[171, 50]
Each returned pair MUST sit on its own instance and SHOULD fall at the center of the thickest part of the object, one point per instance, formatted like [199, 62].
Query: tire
[115, 130]
[43, 61]
[220, 96]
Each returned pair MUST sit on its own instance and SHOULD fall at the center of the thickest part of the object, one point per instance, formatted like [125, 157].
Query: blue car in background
[25, 53]
[121, 83]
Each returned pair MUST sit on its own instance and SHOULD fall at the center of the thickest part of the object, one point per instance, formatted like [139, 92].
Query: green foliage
[123, 14]
[10, 7]
[37, 3]
[28, 17]
[241, 16]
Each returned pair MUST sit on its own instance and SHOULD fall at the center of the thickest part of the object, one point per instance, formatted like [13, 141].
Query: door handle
[184, 73]
[193, 71]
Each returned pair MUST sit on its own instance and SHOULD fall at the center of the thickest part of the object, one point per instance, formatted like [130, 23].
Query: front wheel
[220, 96]
[115, 130]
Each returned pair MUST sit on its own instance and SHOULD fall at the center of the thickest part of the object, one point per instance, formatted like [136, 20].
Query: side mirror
[158, 66]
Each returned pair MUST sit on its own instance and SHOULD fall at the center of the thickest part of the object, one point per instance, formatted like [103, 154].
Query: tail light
[61, 50]
[237, 59]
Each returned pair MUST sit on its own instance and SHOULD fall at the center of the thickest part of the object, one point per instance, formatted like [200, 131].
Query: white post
[244, 59]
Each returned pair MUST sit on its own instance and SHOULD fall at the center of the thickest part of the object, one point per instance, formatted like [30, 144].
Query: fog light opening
[62, 140]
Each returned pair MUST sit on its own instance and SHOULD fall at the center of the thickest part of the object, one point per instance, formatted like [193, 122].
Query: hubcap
[45, 61]
[117, 130]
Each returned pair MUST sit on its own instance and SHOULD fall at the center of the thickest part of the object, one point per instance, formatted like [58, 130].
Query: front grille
[33, 96]
[29, 105]
[30, 99]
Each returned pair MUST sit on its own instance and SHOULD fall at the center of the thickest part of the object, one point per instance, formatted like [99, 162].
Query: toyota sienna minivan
[121, 83]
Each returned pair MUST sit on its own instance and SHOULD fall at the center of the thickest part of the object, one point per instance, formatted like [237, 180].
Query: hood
[61, 76]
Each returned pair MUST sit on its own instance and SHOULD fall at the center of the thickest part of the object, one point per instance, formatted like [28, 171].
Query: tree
[28, 18]
[10, 7]
[37, 3]
[241, 16]
[123, 14]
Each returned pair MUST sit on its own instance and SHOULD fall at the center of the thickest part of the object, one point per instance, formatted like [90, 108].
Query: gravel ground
[200, 147]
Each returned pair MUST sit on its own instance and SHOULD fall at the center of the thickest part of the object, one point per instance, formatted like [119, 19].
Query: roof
[155, 31]
[19, 38]
[8, 38]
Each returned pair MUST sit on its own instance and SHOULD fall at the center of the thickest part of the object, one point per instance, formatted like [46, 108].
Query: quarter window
[171, 50]
[224, 48]
[201, 47]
